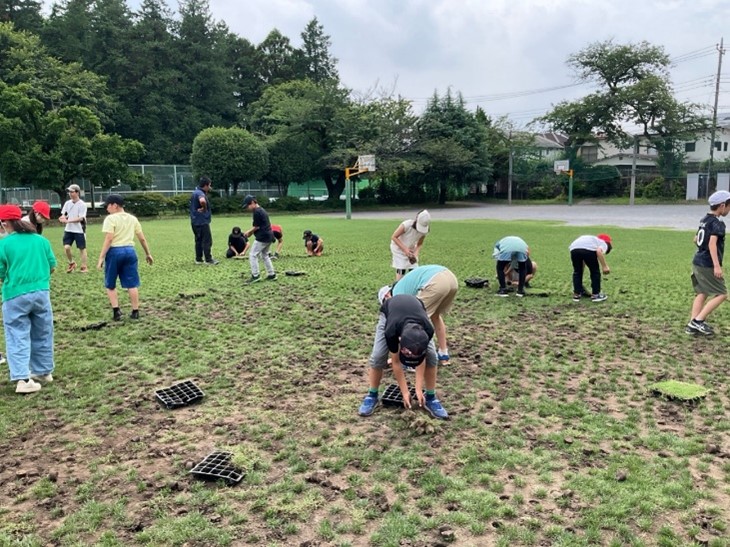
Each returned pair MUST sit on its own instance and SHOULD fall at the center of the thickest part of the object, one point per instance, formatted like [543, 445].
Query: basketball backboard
[561, 166]
[366, 163]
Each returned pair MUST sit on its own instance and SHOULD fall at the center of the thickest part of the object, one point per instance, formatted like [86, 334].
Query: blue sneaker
[368, 406]
[435, 409]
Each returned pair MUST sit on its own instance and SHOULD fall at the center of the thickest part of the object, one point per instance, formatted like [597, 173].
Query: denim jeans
[262, 249]
[28, 322]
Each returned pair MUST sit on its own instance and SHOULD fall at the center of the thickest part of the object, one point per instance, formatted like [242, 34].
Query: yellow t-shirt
[124, 226]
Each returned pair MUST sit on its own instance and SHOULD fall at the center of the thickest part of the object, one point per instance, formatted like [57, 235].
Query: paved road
[677, 217]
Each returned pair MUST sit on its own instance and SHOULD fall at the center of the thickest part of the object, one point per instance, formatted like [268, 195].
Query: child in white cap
[707, 277]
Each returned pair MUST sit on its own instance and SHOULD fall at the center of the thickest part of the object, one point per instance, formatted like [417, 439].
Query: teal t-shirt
[509, 245]
[416, 279]
[26, 261]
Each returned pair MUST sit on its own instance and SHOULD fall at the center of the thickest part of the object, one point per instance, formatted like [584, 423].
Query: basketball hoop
[561, 166]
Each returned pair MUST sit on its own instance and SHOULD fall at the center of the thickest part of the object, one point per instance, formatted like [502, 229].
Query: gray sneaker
[598, 297]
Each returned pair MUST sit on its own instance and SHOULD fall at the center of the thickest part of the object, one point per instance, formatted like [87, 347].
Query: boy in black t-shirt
[707, 276]
[237, 244]
[261, 231]
[405, 332]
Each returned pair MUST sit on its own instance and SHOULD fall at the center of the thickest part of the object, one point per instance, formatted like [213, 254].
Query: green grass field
[555, 436]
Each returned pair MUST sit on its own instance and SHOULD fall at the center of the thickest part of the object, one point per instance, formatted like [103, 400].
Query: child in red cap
[39, 215]
[590, 251]
[26, 264]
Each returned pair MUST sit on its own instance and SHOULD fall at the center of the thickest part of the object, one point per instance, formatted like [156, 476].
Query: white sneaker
[42, 378]
[2, 359]
[27, 386]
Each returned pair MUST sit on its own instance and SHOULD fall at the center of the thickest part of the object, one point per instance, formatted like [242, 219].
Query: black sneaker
[689, 329]
[520, 293]
[253, 279]
[212, 262]
[701, 327]
[576, 297]
[271, 277]
[134, 314]
[502, 292]
[117, 315]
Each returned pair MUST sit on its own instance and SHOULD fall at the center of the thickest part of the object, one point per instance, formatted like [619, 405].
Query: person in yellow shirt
[118, 255]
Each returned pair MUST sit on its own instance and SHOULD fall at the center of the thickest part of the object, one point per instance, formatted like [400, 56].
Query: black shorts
[70, 238]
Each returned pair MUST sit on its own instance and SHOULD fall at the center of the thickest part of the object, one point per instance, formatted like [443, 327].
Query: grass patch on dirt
[554, 439]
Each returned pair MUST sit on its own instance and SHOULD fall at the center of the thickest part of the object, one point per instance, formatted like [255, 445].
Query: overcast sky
[488, 48]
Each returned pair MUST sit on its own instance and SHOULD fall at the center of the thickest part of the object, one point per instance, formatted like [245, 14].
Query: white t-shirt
[74, 210]
[409, 238]
[589, 243]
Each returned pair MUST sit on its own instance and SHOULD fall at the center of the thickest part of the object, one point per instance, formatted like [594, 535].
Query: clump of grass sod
[680, 391]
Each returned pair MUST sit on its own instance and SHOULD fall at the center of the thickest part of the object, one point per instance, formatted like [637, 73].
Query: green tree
[153, 80]
[453, 145]
[229, 156]
[24, 14]
[23, 59]
[634, 91]
[318, 63]
[66, 32]
[314, 118]
[277, 60]
[204, 94]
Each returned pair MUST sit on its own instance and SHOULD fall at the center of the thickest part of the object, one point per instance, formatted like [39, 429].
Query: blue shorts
[72, 237]
[121, 262]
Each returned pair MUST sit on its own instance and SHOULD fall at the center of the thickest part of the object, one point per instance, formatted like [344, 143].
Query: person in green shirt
[26, 264]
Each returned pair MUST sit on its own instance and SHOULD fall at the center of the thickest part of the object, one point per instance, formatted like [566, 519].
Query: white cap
[423, 220]
[719, 197]
[382, 293]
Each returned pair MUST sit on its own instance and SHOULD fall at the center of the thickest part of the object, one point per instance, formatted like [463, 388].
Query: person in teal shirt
[508, 250]
[26, 264]
[436, 287]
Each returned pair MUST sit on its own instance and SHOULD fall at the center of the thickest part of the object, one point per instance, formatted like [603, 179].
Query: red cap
[43, 208]
[10, 212]
[605, 237]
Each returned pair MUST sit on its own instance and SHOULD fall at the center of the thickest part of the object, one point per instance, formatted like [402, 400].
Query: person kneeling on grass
[707, 277]
[506, 251]
[237, 244]
[313, 243]
[26, 264]
[404, 332]
[590, 251]
[118, 255]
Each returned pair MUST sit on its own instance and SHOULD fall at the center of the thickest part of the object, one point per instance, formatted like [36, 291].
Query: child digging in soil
[590, 251]
[707, 277]
[405, 332]
[26, 264]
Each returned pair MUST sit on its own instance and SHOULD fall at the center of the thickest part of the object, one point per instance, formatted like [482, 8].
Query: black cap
[307, 233]
[248, 200]
[116, 199]
[413, 345]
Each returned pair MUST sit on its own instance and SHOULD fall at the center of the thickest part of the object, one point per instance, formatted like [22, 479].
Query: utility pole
[635, 152]
[721, 52]
[509, 172]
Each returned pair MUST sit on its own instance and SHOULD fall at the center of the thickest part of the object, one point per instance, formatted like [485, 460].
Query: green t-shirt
[26, 261]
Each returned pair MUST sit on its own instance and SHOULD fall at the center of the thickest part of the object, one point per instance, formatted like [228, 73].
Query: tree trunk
[334, 189]
[442, 193]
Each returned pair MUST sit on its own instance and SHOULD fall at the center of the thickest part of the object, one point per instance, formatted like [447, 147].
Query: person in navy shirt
[200, 217]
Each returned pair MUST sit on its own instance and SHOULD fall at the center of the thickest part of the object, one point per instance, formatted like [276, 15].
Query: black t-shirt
[314, 238]
[238, 242]
[261, 221]
[399, 310]
[710, 225]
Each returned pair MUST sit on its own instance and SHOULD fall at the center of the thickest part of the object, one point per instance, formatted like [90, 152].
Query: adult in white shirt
[73, 215]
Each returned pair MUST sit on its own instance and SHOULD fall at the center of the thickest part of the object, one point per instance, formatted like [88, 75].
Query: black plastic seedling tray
[393, 397]
[182, 394]
[217, 466]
